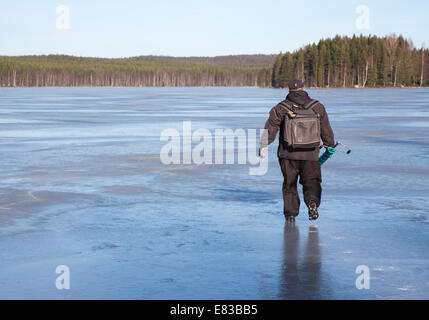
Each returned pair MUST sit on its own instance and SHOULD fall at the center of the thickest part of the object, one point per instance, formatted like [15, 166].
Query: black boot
[313, 214]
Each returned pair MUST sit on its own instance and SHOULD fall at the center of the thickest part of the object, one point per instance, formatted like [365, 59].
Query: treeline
[359, 61]
[145, 71]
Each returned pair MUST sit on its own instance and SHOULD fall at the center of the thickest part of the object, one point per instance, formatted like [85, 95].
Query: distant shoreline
[339, 62]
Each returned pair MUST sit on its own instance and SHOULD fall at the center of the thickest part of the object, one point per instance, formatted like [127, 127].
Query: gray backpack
[302, 125]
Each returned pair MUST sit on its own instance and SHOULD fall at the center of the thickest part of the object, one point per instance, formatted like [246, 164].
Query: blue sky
[123, 28]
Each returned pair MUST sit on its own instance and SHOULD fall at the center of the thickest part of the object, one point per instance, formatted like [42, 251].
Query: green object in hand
[327, 154]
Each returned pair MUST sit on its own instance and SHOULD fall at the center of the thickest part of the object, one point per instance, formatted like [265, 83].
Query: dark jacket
[276, 122]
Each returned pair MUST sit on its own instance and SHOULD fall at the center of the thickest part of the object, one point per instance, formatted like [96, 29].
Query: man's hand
[262, 152]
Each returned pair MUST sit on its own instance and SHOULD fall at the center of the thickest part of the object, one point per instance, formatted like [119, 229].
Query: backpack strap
[285, 104]
[311, 105]
[290, 108]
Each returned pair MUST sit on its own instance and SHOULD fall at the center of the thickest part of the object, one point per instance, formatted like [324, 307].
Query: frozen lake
[83, 186]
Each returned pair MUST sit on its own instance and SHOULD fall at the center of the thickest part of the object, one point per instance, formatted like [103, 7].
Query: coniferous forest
[145, 71]
[358, 61]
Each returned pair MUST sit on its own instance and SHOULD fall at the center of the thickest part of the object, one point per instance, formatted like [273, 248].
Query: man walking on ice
[302, 122]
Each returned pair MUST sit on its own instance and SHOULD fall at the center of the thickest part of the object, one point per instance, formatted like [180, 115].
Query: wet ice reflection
[302, 265]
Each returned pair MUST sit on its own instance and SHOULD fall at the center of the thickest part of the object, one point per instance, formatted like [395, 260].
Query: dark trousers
[309, 176]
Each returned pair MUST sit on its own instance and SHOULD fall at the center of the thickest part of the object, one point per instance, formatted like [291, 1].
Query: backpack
[301, 129]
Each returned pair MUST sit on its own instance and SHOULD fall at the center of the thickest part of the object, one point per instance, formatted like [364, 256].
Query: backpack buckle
[291, 114]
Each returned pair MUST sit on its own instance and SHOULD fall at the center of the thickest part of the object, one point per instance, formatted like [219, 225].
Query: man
[294, 159]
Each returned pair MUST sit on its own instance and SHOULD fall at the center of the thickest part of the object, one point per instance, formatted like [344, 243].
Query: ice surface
[83, 186]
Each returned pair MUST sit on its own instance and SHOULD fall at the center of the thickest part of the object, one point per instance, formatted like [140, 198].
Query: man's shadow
[300, 278]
